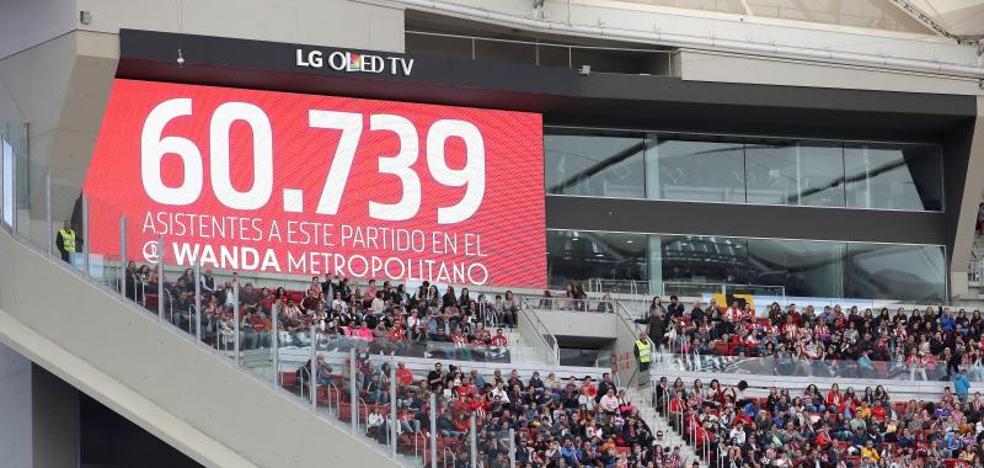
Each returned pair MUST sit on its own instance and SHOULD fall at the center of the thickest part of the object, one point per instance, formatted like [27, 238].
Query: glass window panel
[914, 273]
[600, 165]
[895, 177]
[505, 51]
[802, 268]
[856, 182]
[704, 259]
[417, 43]
[821, 173]
[581, 255]
[699, 170]
[770, 172]
[891, 183]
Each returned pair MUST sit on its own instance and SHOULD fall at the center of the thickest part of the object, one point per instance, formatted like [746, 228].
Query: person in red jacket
[835, 398]
[823, 437]
[403, 375]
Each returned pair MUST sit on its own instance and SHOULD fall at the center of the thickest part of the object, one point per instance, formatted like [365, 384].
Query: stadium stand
[823, 426]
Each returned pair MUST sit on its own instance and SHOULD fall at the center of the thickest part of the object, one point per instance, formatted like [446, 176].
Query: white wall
[579, 324]
[701, 65]
[26, 23]
[342, 23]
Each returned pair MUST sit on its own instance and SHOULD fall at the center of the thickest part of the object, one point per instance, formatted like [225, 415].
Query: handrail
[444, 456]
[720, 287]
[551, 351]
[626, 320]
[586, 304]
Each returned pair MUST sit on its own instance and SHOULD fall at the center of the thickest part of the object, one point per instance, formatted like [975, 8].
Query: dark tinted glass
[580, 256]
[908, 272]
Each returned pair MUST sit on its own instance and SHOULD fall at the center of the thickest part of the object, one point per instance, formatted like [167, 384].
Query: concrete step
[520, 351]
[642, 398]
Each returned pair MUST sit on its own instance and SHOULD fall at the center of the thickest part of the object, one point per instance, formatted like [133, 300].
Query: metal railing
[618, 286]
[585, 304]
[698, 289]
[537, 333]
[598, 59]
[975, 270]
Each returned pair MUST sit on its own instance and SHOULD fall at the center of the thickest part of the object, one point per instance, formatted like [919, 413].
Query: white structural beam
[923, 18]
[625, 22]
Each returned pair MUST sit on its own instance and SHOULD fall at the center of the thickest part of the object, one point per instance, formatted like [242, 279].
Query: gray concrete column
[55, 408]
[15, 406]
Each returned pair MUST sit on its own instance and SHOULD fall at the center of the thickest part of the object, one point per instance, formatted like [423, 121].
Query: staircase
[521, 351]
[642, 398]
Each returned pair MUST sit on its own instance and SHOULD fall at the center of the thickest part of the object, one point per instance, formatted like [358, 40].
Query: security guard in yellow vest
[643, 351]
[66, 241]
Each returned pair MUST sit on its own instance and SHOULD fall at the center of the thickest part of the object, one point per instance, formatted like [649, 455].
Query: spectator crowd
[423, 322]
[832, 427]
[928, 343]
[553, 422]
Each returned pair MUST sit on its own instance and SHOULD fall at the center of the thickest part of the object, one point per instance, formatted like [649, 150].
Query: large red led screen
[302, 184]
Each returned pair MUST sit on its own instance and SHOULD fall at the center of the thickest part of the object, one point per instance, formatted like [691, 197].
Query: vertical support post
[354, 392]
[314, 367]
[123, 262]
[433, 429]
[13, 190]
[235, 325]
[274, 344]
[198, 300]
[393, 423]
[160, 279]
[85, 234]
[474, 441]
[47, 214]
[512, 447]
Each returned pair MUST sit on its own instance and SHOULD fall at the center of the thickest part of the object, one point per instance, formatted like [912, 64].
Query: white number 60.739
[154, 146]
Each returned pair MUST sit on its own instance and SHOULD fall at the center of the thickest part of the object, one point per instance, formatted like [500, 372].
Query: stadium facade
[680, 148]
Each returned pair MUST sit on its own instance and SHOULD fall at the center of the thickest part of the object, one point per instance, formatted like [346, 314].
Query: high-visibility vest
[644, 351]
[68, 239]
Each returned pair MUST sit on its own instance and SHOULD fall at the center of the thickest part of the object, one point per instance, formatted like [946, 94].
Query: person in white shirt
[375, 427]
[609, 402]
[378, 304]
[500, 392]
[737, 434]
[413, 320]
[338, 304]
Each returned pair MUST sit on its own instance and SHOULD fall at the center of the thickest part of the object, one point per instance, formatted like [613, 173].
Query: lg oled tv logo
[352, 62]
